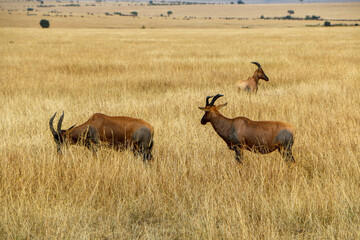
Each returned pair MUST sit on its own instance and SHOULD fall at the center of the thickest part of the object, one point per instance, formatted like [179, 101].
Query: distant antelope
[241, 133]
[251, 84]
[116, 132]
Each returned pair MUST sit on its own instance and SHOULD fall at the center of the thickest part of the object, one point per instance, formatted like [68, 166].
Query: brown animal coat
[115, 132]
[242, 133]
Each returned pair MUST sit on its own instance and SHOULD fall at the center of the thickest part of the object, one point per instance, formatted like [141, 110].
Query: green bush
[44, 23]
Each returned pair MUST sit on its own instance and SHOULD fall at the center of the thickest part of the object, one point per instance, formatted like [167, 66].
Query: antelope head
[210, 108]
[59, 135]
[259, 73]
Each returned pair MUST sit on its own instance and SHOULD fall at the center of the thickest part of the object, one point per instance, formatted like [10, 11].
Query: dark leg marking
[235, 145]
[233, 137]
[92, 141]
[285, 140]
[143, 139]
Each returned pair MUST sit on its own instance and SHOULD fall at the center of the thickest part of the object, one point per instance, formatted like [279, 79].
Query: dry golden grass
[194, 189]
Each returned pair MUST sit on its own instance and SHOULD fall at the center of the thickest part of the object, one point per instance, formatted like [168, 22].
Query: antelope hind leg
[285, 140]
[143, 138]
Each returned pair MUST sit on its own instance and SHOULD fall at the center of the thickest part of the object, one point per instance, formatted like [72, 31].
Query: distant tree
[30, 9]
[44, 23]
[240, 2]
[232, 3]
[262, 17]
[169, 13]
[327, 24]
[291, 12]
[42, 2]
[151, 2]
[134, 13]
[301, 1]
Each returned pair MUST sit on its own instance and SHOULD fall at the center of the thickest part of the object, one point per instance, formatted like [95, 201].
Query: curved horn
[54, 133]
[207, 100]
[215, 98]
[257, 64]
[60, 123]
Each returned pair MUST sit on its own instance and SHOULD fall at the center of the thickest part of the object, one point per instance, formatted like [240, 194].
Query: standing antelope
[241, 133]
[251, 83]
[116, 132]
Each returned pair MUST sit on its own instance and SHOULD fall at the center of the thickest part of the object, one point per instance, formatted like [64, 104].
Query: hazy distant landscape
[119, 15]
[266, 1]
[220, 1]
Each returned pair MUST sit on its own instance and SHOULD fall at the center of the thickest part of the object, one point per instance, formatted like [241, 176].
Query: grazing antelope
[115, 132]
[241, 133]
[251, 83]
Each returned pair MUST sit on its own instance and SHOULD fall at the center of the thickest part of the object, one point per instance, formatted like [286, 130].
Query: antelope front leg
[92, 141]
[92, 146]
[239, 156]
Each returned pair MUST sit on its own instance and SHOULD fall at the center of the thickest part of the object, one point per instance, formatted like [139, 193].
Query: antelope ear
[204, 109]
[71, 127]
[221, 106]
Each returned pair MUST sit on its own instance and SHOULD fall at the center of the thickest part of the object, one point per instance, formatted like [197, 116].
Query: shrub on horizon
[44, 23]
[327, 24]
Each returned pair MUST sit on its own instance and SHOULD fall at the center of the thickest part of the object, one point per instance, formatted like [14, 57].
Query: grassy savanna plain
[194, 189]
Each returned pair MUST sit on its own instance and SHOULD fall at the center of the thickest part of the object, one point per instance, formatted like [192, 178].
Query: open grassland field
[194, 189]
[92, 15]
